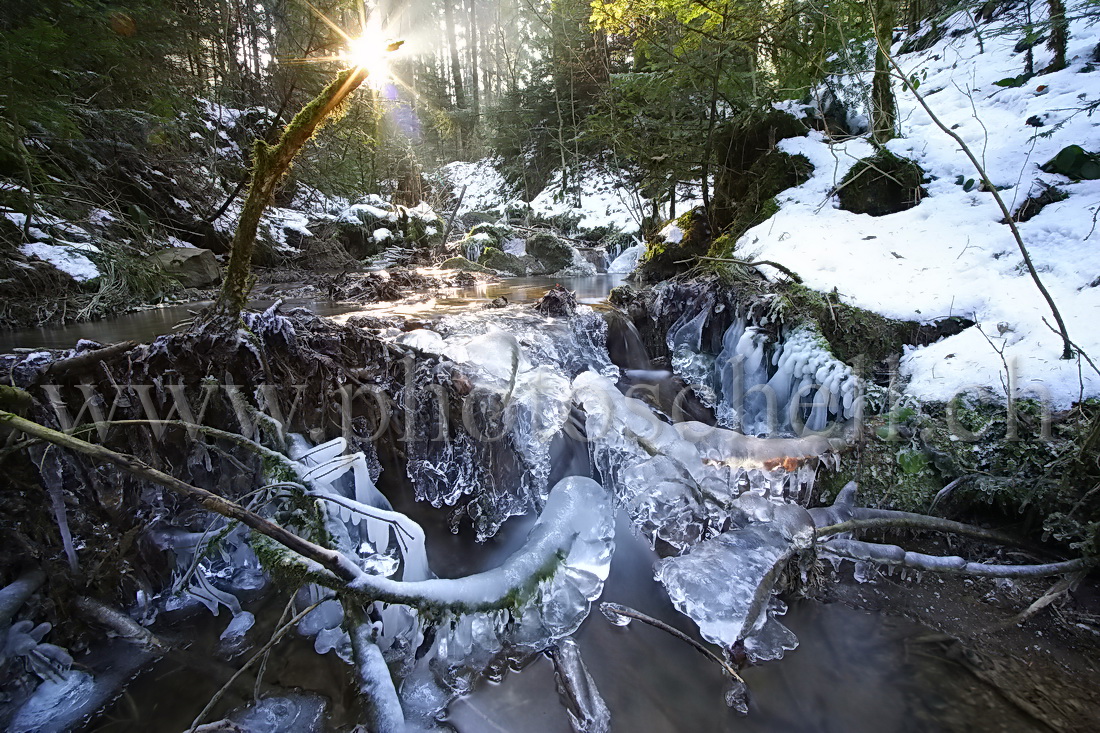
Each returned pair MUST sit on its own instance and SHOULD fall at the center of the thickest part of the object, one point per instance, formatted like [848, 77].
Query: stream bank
[373, 349]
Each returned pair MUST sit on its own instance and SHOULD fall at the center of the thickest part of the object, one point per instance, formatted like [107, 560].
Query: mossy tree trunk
[883, 108]
[269, 164]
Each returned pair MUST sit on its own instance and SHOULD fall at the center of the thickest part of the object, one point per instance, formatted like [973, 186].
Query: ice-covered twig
[336, 563]
[616, 612]
[578, 692]
[375, 683]
[893, 555]
[15, 594]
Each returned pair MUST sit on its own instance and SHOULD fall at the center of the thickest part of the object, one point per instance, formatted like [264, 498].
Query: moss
[743, 142]
[551, 253]
[882, 184]
[495, 259]
[496, 233]
[461, 263]
[856, 336]
[664, 259]
[772, 173]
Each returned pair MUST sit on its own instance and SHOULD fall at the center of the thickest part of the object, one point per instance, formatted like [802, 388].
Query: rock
[882, 184]
[558, 301]
[552, 253]
[495, 259]
[193, 267]
[674, 248]
[463, 264]
[596, 256]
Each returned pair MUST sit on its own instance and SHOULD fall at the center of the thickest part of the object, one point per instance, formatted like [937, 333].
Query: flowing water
[852, 671]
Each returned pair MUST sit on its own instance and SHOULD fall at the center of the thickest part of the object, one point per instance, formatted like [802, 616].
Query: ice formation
[725, 584]
[587, 711]
[628, 260]
[793, 386]
[679, 482]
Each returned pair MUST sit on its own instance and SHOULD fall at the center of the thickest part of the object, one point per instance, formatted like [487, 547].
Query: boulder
[192, 266]
[495, 259]
[463, 264]
[882, 184]
[552, 253]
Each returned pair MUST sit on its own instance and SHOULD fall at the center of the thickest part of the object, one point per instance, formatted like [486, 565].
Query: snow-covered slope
[950, 255]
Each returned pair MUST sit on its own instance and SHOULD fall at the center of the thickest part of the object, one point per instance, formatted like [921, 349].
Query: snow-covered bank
[950, 255]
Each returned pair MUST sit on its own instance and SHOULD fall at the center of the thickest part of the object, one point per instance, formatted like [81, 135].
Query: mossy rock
[741, 143]
[552, 253]
[772, 173]
[497, 233]
[463, 264]
[664, 259]
[882, 184]
[501, 261]
[1074, 162]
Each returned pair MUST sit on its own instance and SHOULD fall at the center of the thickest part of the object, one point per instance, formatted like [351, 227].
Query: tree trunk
[883, 108]
[1059, 36]
[269, 164]
[475, 91]
[456, 63]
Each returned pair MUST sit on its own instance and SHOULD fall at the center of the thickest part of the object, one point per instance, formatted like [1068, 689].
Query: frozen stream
[851, 671]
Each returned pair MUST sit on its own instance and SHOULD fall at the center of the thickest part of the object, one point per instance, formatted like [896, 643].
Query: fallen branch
[893, 555]
[87, 359]
[332, 561]
[907, 520]
[451, 218]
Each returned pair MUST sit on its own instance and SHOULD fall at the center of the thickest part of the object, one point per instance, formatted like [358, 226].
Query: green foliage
[1074, 162]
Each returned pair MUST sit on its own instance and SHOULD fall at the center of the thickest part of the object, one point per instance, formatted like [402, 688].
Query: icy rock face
[788, 387]
[725, 584]
[628, 260]
[810, 385]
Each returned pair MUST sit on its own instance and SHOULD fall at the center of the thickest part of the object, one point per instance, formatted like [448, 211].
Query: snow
[671, 233]
[485, 186]
[65, 257]
[950, 256]
[605, 199]
[381, 234]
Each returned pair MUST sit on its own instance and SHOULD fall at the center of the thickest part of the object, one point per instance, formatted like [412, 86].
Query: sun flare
[372, 51]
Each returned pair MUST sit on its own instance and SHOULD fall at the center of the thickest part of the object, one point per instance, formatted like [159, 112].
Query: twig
[88, 358]
[893, 555]
[611, 610]
[451, 219]
[920, 521]
[782, 268]
[275, 639]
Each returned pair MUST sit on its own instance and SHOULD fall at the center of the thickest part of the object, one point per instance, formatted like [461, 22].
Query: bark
[269, 164]
[883, 107]
[1059, 35]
